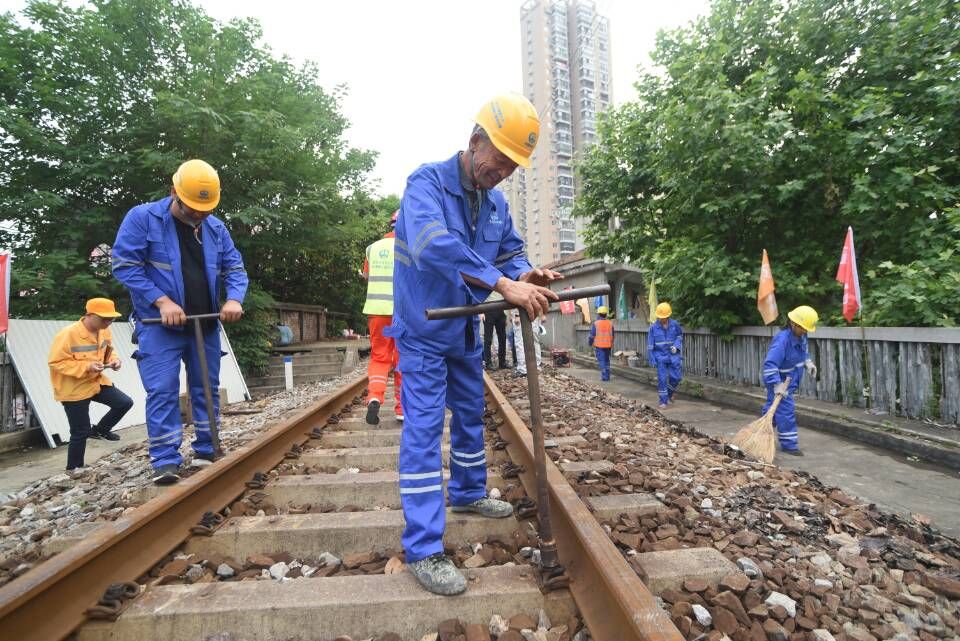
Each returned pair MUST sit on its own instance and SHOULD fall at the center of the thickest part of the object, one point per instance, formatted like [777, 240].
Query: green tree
[100, 104]
[776, 124]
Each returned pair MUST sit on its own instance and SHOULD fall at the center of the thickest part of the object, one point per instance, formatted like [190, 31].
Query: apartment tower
[566, 75]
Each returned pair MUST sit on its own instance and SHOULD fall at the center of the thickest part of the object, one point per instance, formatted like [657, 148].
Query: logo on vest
[384, 253]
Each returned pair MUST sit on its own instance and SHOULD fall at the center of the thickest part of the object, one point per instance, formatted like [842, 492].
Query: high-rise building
[566, 75]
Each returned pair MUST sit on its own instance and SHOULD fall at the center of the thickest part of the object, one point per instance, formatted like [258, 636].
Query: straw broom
[758, 439]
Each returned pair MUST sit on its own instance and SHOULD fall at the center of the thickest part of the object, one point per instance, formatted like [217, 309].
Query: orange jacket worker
[79, 355]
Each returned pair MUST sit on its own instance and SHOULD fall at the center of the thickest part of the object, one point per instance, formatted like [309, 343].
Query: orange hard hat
[102, 307]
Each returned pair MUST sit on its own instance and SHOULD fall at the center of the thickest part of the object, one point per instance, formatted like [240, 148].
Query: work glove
[811, 368]
[781, 390]
[673, 350]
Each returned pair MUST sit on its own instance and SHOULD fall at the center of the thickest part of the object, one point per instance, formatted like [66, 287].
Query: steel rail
[612, 599]
[50, 601]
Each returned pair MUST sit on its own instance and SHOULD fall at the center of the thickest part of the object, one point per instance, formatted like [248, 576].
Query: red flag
[4, 292]
[847, 274]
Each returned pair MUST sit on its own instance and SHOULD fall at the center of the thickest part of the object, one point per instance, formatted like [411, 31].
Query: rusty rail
[49, 601]
[614, 602]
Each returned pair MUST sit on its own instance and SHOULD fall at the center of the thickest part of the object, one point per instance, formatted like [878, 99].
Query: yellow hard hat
[198, 185]
[602, 310]
[102, 307]
[664, 310]
[804, 316]
[512, 123]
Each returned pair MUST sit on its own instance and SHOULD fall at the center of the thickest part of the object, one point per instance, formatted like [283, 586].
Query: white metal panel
[28, 342]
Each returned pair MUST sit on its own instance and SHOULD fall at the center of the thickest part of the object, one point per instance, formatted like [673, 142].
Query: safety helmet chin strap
[473, 171]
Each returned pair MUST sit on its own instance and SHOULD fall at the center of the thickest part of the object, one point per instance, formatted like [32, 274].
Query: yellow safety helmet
[513, 126]
[804, 316]
[602, 310]
[198, 185]
[664, 310]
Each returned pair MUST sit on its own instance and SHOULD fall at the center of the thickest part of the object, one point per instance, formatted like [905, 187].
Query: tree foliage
[101, 103]
[776, 124]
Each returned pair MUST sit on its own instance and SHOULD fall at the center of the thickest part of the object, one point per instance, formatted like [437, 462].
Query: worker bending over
[788, 356]
[601, 337]
[455, 243]
[378, 270]
[174, 258]
[665, 352]
[78, 356]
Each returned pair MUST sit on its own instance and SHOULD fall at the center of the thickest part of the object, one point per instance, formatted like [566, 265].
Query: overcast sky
[419, 70]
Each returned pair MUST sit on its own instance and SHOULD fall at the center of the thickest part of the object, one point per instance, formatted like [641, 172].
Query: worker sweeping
[601, 337]
[455, 243]
[378, 270]
[788, 357]
[174, 258]
[665, 352]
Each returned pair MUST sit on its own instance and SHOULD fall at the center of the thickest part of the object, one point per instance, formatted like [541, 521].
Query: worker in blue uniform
[455, 243]
[174, 257]
[788, 356]
[665, 352]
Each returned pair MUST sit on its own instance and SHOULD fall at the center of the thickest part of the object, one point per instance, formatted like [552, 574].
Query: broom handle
[777, 397]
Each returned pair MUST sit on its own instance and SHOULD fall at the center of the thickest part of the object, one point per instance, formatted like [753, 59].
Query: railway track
[309, 549]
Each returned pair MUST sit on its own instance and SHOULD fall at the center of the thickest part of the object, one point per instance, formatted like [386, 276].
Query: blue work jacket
[146, 259]
[437, 245]
[786, 357]
[660, 340]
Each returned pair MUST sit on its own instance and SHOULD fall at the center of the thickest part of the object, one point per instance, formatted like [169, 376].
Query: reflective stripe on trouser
[784, 419]
[160, 353]
[383, 356]
[669, 374]
[431, 383]
[603, 362]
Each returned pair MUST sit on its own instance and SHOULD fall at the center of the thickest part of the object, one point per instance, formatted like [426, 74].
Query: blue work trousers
[603, 362]
[160, 352]
[430, 384]
[669, 374]
[784, 419]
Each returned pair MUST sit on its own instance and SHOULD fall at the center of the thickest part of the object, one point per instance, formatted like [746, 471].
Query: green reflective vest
[380, 280]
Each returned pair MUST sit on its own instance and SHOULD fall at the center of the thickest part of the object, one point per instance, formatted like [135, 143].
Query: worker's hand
[811, 367]
[673, 349]
[170, 312]
[781, 390]
[114, 365]
[95, 366]
[540, 276]
[532, 298]
[231, 311]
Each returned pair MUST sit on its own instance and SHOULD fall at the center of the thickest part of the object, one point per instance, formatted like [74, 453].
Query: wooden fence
[307, 322]
[906, 371]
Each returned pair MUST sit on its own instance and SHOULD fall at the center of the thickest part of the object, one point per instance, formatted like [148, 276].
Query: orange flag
[766, 299]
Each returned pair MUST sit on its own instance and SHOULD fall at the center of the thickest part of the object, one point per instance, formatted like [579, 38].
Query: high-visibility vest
[604, 337]
[380, 278]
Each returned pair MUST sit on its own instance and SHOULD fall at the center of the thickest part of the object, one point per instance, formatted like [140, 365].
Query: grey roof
[28, 342]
